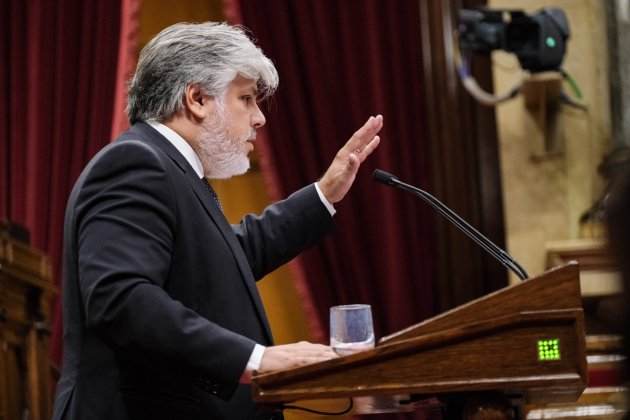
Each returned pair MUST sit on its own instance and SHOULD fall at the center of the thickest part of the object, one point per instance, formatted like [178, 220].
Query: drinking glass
[351, 329]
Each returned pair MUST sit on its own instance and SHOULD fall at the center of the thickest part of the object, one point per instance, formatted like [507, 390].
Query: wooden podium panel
[555, 289]
[526, 340]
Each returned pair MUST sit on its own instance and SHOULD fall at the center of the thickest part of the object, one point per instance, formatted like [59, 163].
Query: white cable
[486, 98]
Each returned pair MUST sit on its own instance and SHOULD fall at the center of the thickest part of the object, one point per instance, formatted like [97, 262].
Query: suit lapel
[204, 196]
[226, 230]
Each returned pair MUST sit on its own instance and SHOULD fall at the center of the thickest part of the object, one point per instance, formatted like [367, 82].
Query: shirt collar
[181, 145]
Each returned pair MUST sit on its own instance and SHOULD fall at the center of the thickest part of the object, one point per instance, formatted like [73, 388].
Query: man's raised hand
[341, 173]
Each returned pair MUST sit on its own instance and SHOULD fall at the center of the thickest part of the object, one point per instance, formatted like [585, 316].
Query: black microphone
[499, 254]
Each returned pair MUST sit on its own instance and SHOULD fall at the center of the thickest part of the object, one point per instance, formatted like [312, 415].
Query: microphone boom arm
[490, 247]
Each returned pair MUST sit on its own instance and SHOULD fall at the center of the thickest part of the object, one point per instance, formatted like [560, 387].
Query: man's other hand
[293, 355]
[339, 177]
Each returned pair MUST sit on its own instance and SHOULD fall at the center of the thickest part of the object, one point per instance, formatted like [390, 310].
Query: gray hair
[209, 54]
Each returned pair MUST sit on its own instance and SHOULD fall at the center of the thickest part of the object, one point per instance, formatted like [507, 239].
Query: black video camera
[538, 40]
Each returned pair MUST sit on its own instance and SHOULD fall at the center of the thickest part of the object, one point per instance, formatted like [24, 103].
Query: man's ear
[196, 103]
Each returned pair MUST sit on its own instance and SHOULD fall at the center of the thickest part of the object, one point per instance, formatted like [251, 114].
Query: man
[162, 319]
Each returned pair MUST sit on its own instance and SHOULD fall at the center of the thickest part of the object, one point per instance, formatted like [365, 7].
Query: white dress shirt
[191, 157]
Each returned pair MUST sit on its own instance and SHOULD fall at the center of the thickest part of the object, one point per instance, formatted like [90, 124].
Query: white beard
[221, 155]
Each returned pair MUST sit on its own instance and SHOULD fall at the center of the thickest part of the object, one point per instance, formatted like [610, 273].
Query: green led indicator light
[550, 41]
[549, 349]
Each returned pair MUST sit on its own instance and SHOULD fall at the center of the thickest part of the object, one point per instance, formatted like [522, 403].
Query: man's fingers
[308, 349]
[293, 355]
[369, 129]
[367, 150]
[363, 130]
[307, 345]
[316, 350]
[365, 134]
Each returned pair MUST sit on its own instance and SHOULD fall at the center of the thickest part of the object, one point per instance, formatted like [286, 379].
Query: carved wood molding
[25, 264]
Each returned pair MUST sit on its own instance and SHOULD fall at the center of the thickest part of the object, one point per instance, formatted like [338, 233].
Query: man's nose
[258, 119]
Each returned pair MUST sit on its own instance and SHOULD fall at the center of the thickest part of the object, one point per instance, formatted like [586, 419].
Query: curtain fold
[57, 104]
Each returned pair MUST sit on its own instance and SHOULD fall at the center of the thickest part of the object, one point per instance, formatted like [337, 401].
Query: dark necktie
[212, 193]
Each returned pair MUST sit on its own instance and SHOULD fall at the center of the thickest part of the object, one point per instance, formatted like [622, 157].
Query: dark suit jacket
[160, 305]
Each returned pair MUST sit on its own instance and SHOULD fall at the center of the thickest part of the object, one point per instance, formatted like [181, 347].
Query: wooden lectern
[524, 343]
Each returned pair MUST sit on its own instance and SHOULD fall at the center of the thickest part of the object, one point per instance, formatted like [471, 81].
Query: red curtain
[58, 83]
[340, 62]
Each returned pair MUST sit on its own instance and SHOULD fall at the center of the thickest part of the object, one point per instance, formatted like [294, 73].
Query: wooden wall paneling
[25, 292]
[4, 348]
